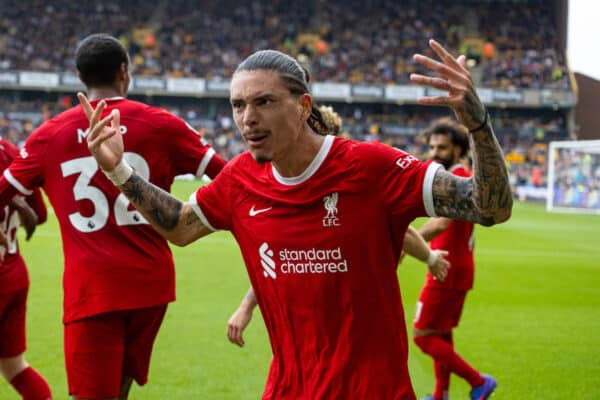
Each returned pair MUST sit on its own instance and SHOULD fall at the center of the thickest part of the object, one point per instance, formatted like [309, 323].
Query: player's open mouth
[255, 139]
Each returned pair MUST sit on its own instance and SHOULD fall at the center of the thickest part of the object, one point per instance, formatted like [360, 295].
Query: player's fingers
[97, 128]
[453, 86]
[116, 121]
[230, 333]
[462, 62]
[237, 334]
[443, 54]
[94, 145]
[95, 117]
[434, 82]
[433, 101]
[454, 74]
[87, 107]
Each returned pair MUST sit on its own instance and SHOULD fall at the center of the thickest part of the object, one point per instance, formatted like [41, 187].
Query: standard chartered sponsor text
[312, 261]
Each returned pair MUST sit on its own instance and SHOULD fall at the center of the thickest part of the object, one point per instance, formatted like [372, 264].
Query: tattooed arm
[172, 218]
[486, 197]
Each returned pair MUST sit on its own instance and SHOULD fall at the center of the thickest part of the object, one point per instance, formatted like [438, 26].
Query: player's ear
[306, 104]
[123, 69]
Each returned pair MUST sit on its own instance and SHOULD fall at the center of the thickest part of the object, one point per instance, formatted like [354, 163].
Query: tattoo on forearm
[486, 197]
[473, 111]
[153, 202]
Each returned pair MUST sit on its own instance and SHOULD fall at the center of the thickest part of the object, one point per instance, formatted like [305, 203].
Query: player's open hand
[439, 269]
[237, 324]
[453, 78]
[104, 141]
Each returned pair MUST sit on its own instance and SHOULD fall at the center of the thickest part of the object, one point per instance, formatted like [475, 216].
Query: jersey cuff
[199, 212]
[204, 163]
[11, 179]
[428, 188]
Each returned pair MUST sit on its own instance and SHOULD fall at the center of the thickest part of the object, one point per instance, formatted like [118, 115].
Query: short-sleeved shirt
[114, 260]
[13, 272]
[321, 250]
[459, 240]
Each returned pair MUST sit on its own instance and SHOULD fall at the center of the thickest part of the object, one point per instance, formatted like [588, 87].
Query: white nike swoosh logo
[254, 212]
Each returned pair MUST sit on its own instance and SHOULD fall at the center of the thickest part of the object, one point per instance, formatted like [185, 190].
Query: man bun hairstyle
[294, 76]
[331, 119]
[459, 134]
[98, 59]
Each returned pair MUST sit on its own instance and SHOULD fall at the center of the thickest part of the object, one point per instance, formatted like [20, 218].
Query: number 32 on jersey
[86, 168]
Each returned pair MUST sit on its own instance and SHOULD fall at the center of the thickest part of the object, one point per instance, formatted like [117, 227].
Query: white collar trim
[311, 169]
[454, 167]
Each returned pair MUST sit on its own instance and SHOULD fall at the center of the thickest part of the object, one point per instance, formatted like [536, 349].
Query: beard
[261, 159]
[446, 163]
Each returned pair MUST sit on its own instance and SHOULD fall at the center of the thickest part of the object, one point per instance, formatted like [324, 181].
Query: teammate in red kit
[320, 220]
[440, 303]
[14, 282]
[119, 273]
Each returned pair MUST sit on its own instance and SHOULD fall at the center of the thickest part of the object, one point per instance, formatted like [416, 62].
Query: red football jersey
[321, 251]
[114, 259]
[459, 240]
[13, 273]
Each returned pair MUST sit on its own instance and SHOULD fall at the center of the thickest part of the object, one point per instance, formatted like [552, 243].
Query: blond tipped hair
[332, 119]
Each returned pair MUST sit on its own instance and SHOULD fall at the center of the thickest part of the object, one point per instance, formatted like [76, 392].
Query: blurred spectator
[342, 41]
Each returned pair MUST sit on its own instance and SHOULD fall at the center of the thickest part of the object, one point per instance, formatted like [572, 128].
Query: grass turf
[533, 319]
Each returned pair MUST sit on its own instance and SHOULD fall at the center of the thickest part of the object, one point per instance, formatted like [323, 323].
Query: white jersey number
[86, 167]
[9, 226]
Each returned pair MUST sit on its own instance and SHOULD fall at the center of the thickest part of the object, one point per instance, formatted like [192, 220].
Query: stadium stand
[511, 46]
[342, 40]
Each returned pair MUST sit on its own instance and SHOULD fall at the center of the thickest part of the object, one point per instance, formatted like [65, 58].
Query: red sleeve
[212, 203]
[7, 155]
[7, 192]
[216, 164]
[24, 173]
[194, 155]
[405, 183]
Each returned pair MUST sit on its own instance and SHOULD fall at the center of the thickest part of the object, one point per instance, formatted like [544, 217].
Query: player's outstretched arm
[486, 197]
[172, 218]
[240, 319]
[415, 246]
[433, 227]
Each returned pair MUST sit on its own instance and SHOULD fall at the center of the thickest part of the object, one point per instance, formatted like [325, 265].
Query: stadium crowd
[524, 135]
[340, 40]
[577, 180]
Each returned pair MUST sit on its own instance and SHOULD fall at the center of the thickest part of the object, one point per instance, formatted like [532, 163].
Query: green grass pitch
[533, 319]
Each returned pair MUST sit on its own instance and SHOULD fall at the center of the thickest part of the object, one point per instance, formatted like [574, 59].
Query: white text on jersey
[310, 261]
[81, 134]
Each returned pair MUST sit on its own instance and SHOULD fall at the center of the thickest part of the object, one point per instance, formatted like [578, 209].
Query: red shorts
[439, 309]
[13, 306]
[102, 349]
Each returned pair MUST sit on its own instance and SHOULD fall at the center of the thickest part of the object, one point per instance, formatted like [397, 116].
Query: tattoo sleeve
[161, 208]
[485, 198]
